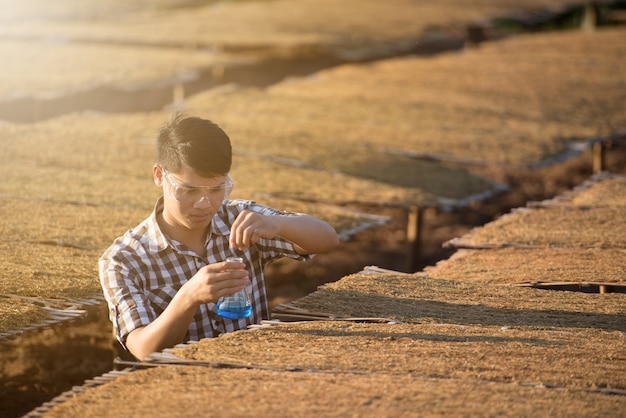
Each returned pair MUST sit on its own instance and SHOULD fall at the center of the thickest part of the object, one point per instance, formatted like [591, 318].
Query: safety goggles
[194, 194]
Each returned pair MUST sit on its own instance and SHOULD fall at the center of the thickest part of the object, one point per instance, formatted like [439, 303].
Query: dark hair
[195, 142]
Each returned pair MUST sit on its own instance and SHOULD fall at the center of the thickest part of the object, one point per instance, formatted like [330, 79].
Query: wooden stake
[598, 157]
[413, 234]
[589, 20]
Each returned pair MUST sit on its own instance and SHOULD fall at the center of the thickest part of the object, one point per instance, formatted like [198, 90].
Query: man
[162, 278]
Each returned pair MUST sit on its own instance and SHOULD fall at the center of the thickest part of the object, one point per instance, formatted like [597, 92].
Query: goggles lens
[194, 194]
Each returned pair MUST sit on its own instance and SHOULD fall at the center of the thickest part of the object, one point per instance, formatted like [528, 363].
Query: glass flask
[237, 305]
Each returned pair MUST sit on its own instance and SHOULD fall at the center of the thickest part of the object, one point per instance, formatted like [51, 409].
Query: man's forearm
[308, 233]
[166, 331]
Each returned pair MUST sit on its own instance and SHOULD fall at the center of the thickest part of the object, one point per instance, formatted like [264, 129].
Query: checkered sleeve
[120, 273]
[277, 247]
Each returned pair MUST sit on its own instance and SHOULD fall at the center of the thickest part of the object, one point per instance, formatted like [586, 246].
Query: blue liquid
[235, 312]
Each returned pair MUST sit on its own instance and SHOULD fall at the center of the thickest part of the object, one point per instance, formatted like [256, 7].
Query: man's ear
[157, 175]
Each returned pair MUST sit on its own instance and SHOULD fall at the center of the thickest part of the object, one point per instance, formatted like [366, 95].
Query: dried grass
[604, 194]
[602, 190]
[460, 342]
[345, 221]
[17, 314]
[197, 391]
[420, 299]
[48, 271]
[261, 176]
[65, 224]
[348, 142]
[116, 145]
[496, 354]
[516, 265]
[515, 102]
[554, 227]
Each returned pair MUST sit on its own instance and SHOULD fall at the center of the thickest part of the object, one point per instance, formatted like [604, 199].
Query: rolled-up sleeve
[128, 307]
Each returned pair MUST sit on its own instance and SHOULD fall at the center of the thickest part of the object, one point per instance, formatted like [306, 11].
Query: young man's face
[190, 200]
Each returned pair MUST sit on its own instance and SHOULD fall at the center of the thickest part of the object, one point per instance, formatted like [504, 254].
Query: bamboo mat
[347, 222]
[199, 391]
[515, 102]
[573, 239]
[601, 190]
[340, 148]
[419, 299]
[21, 314]
[49, 266]
[115, 170]
[533, 265]
[589, 216]
[523, 348]
[550, 228]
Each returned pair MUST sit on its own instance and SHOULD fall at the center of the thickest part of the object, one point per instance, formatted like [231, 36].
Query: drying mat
[298, 131]
[499, 354]
[519, 265]
[120, 147]
[127, 183]
[420, 299]
[65, 224]
[96, 222]
[254, 175]
[78, 187]
[48, 271]
[553, 227]
[602, 190]
[19, 314]
[183, 391]
[44, 283]
[511, 102]
[90, 226]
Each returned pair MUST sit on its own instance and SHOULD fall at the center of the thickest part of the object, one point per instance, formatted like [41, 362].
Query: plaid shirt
[142, 270]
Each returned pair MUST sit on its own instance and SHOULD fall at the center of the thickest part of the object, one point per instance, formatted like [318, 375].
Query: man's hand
[250, 226]
[216, 280]
[308, 234]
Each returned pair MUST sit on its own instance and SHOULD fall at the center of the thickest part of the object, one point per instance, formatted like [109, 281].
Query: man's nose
[204, 202]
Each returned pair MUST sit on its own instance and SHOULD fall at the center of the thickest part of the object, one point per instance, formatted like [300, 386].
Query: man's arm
[309, 234]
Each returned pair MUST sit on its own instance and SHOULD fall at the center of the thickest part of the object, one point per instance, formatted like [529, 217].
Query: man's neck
[194, 239]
